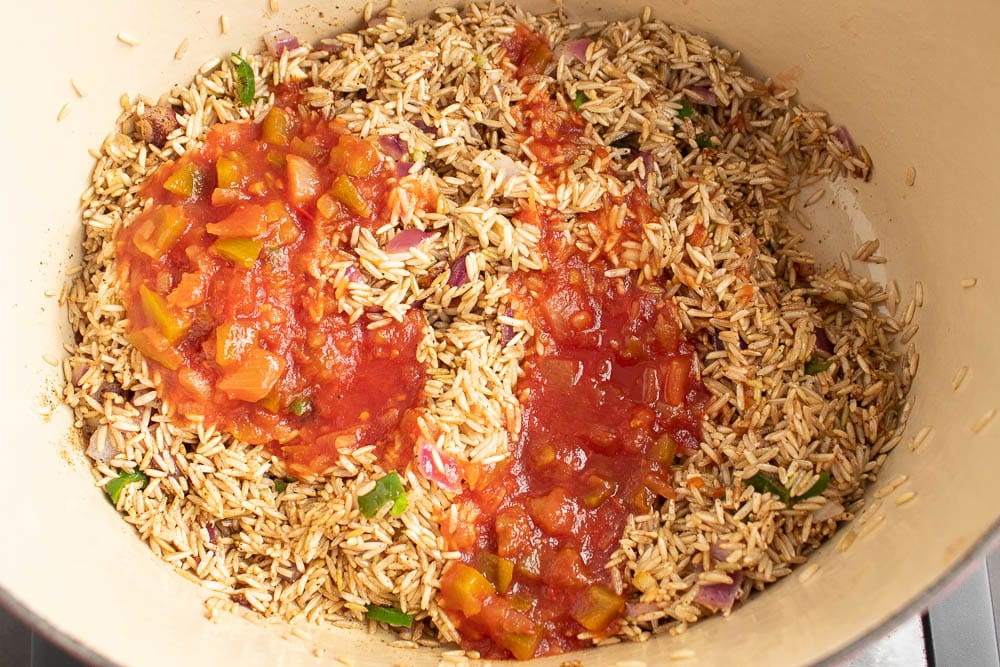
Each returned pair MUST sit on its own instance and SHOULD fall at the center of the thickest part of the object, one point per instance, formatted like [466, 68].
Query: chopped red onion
[393, 146]
[578, 49]
[377, 20]
[718, 553]
[828, 511]
[403, 169]
[719, 597]
[279, 41]
[425, 128]
[647, 166]
[439, 467]
[823, 342]
[100, 447]
[210, 527]
[635, 609]
[459, 272]
[717, 343]
[505, 166]
[406, 239]
[506, 330]
[843, 137]
[354, 275]
[704, 95]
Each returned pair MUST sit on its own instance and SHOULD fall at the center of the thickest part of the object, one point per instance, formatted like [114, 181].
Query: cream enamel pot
[917, 83]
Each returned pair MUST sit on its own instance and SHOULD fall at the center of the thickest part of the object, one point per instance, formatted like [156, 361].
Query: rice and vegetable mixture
[802, 386]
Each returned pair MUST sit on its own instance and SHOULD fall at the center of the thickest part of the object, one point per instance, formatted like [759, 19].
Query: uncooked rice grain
[748, 296]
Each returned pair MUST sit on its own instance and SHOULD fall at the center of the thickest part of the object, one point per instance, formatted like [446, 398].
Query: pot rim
[980, 549]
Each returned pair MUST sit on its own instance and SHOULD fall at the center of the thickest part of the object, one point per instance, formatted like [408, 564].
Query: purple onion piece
[393, 146]
[403, 169]
[823, 342]
[717, 343]
[718, 553]
[354, 275]
[843, 137]
[506, 330]
[719, 597]
[406, 239]
[634, 609]
[425, 128]
[704, 95]
[578, 49]
[459, 272]
[210, 527]
[647, 166]
[279, 41]
[377, 20]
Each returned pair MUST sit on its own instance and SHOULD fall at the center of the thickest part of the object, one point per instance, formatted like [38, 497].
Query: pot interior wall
[910, 80]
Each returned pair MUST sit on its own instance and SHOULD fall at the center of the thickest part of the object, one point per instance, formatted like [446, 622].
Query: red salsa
[610, 395]
[231, 298]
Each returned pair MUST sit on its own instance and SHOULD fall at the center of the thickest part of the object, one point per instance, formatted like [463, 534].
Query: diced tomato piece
[232, 341]
[514, 530]
[253, 377]
[246, 220]
[354, 156]
[555, 512]
[190, 291]
[303, 179]
[676, 381]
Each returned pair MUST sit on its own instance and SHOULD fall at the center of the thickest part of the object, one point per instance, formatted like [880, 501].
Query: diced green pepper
[242, 251]
[344, 191]
[184, 181]
[388, 489]
[579, 100]
[817, 488]
[389, 615]
[300, 406]
[245, 85]
[598, 606]
[228, 170]
[686, 110]
[280, 485]
[157, 234]
[766, 484]
[276, 128]
[115, 487]
[704, 140]
[817, 365]
[156, 309]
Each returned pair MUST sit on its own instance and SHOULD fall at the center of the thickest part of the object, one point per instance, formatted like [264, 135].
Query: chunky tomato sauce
[610, 395]
[231, 298]
[607, 406]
